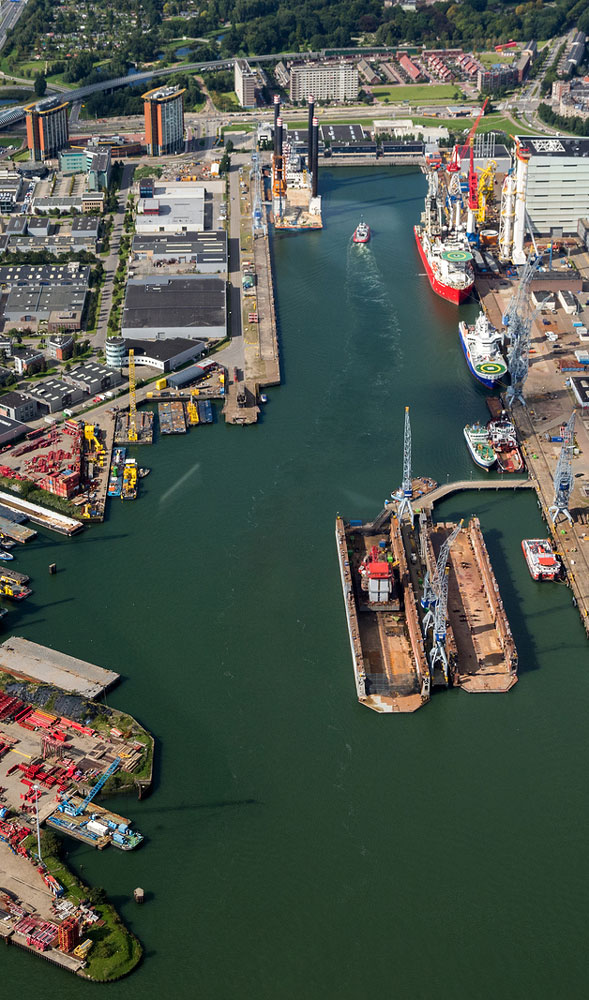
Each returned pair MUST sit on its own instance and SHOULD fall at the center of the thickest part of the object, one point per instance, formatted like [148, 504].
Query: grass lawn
[488, 58]
[420, 93]
[245, 127]
[10, 140]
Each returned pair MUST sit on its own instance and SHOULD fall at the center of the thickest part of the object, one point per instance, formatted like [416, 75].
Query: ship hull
[535, 571]
[360, 239]
[488, 381]
[476, 457]
[455, 295]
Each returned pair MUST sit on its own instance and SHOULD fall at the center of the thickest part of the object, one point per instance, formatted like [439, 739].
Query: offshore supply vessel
[361, 232]
[540, 558]
[481, 345]
[391, 670]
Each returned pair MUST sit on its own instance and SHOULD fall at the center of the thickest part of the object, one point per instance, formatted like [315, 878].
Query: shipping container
[161, 383]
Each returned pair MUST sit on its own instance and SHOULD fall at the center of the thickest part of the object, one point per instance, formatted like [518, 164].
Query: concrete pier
[29, 660]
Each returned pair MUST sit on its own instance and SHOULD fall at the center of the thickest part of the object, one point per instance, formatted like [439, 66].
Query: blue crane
[435, 601]
[70, 810]
[563, 477]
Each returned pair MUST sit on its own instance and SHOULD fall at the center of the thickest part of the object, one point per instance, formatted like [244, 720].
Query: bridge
[428, 501]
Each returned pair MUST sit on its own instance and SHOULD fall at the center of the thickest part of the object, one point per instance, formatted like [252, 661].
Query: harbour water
[298, 846]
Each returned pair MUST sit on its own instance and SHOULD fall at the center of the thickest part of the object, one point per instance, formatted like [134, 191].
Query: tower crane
[453, 168]
[563, 477]
[404, 494]
[132, 435]
[439, 614]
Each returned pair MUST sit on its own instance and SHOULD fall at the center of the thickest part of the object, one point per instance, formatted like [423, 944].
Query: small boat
[539, 555]
[142, 473]
[7, 556]
[479, 445]
[361, 232]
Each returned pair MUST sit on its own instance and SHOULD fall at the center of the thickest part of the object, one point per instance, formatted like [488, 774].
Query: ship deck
[391, 679]
[485, 650]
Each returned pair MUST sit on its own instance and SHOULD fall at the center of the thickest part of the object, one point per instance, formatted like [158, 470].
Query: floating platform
[98, 827]
[13, 574]
[485, 654]
[17, 532]
[50, 519]
[172, 418]
[388, 654]
[29, 660]
[144, 426]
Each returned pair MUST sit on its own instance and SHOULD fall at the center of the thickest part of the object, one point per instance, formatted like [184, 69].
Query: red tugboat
[361, 232]
[542, 563]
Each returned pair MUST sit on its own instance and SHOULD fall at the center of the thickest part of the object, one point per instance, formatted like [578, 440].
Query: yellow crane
[132, 435]
[486, 189]
[192, 408]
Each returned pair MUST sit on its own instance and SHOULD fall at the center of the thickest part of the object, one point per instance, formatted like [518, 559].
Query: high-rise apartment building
[164, 120]
[328, 83]
[47, 128]
[245, 82]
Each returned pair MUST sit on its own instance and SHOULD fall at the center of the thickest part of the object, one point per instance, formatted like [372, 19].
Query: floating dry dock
[50, 519]
[390, 666]
[485, 655]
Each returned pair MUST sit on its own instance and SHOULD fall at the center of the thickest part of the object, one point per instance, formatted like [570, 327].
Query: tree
[40, 85]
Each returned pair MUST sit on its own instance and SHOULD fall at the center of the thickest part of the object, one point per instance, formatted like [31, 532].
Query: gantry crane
[437, 615]
[563, 477]
[132, 435]
[404, 494]
[518, 320]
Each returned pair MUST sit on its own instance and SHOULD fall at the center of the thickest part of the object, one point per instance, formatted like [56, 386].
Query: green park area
[420, 93]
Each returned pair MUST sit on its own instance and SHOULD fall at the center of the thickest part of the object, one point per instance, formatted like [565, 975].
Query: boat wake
[366, 285]
[180, 482]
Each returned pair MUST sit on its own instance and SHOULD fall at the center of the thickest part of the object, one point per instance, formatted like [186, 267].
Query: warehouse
[163, 307]
[167, 355]
[18, 407]
[91, 377]
[171, 214]
[11, 430]
[207, 251]
[55, 394]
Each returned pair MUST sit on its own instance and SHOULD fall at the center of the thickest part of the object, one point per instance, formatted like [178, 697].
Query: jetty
[31, 661]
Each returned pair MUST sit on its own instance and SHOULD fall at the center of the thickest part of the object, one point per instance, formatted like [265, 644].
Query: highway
[9, 15]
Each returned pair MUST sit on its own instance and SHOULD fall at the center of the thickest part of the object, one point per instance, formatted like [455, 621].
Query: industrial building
[171, 214]
[552, 185]
[576, 55]
[164, 120]
[245, 82]
[35, 292]
[347, 139]
[18, 407]
[91, 377]
[54, 394]
[85, 228]
[47, 128]
[11, 185]
[327, 82]
[164, 307]
[11, 430]
[207, 251]
[166, 355]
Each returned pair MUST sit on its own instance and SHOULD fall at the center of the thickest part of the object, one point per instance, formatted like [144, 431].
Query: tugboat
[479, 445]
[7, 556]
[361, 232]
[503, 438]
[542, 563]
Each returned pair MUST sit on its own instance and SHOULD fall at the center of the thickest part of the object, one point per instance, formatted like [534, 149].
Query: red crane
[459, 154]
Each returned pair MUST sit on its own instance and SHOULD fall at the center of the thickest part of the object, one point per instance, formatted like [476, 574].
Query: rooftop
[557, 145]
[162, 350]
[174, 302]
[13, 399]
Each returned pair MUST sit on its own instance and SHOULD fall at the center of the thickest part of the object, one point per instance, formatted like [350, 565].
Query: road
[110, 263]
[9, 15]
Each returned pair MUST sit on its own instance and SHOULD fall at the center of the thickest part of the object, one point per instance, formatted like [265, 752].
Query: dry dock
[486, 657]
[390, 667]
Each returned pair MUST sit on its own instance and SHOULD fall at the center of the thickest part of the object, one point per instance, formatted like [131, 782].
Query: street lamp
[37, 793]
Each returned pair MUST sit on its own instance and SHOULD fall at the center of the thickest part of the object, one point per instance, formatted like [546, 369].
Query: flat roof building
[207, 251]
[166, 355]
[337, 82]
[162, 307]
[11, 430]
[554, 172]
[164, 120]
[171, 214]
[245, 83]
[47, 128]
[19, 407]
[54, 394]
[92, 377]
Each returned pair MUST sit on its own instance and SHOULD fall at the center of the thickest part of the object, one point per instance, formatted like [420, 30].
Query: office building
[337, 82]
[164, 121]
[47, 128]
[553, 177]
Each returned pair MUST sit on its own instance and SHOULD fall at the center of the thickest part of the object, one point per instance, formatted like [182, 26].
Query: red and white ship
[447, 260]
[503, 437]
[361, 232]
[542, 563]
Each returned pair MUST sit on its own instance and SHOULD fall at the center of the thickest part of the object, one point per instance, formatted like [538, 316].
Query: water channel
[299, 846]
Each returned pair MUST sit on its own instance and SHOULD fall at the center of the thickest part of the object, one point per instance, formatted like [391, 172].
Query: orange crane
[454, 169]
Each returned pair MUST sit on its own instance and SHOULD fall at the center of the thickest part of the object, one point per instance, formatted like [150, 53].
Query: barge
[485, 654]
[172, 418]
[391, 671]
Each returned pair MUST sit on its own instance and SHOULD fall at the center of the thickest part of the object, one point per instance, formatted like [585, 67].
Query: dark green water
[299, 846]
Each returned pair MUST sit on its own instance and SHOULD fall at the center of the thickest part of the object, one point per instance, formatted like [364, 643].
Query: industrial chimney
[311, 101]
[315, 166]
[276, 116]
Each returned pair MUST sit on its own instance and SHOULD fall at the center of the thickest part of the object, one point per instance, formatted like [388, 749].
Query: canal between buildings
[299, 846]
